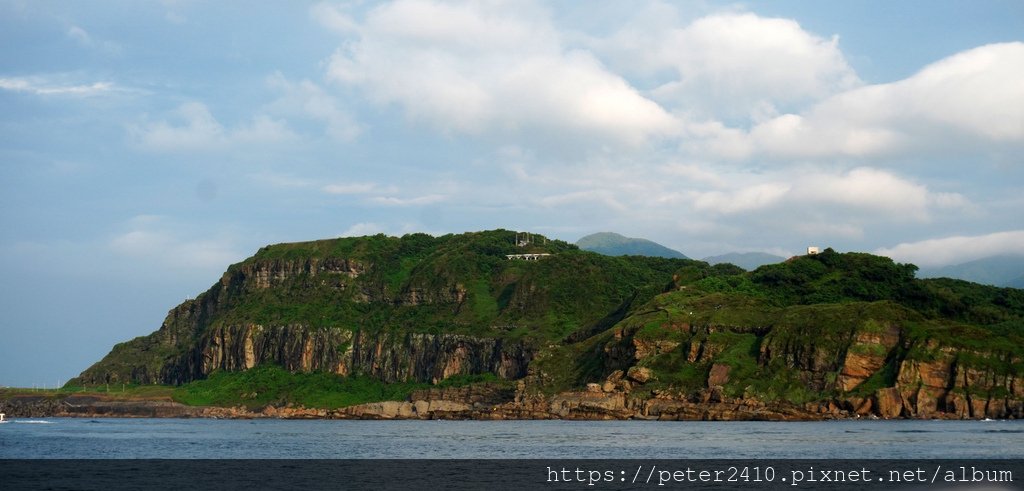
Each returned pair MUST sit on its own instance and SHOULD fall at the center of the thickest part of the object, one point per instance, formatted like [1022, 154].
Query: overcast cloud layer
[146, 146]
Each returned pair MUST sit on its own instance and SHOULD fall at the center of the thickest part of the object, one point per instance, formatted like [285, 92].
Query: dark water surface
[70, 438]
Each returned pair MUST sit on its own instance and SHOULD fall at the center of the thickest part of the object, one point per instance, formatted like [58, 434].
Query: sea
[113, 438]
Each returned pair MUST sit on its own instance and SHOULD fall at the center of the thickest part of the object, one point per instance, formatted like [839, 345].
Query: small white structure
[524, 239]
[812, 250]
[526, 257]
[2, 420]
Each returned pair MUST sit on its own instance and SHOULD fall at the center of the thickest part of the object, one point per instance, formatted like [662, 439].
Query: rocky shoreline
[481, 402]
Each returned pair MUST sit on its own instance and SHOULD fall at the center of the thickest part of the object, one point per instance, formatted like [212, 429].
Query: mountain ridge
[613, 244]
[999, 270]
[579, 335]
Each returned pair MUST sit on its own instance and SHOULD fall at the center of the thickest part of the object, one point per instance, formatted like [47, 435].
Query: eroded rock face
[390, 358]
[270, 273]
[889, 402]
[867, 355]
[719, 375]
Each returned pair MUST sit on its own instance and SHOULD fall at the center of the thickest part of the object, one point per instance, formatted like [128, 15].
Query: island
[489, 325]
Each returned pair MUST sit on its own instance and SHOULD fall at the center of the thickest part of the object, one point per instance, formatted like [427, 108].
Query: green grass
[267, 385]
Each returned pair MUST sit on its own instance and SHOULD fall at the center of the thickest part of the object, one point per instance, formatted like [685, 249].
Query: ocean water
[69, 438]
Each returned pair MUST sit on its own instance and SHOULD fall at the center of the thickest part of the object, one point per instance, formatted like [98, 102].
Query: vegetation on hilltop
[783, 330]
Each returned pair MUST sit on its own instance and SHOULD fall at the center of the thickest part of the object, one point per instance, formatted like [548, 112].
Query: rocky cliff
[390, 357]
[587, 336]
[415, 308]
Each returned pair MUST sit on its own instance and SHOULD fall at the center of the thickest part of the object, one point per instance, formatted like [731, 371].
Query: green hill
[338, 322]
[612, 244]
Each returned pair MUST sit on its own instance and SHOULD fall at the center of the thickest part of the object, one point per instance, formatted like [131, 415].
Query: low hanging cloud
[956, 249]
[967, 101]
[862, 190]
[194, 128]
[474, 68]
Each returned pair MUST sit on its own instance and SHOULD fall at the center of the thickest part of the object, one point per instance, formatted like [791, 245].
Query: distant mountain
[613, 244]
[1017, 283]
[1004, 270]
[746, 260]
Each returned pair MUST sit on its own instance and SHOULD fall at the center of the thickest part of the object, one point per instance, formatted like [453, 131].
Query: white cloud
[194, 128]
[965, 102]
[306, 99]
[332, 17]
[479, 68]
[282, 180]
[732, 64]
[40, 86]
[603, 197]
[755, 197]
[83, 38]
[864, 191]
[427, 199]
[866, 188]
[350, 188]
[154, 238]
[694, 173]
[956, 249]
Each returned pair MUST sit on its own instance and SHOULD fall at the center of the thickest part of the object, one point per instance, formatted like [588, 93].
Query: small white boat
[2, 420]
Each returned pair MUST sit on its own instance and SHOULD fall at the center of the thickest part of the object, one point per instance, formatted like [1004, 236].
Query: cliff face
[383, 356]
[851, 360]
[405, 309]
[594, 337]
[189, 345]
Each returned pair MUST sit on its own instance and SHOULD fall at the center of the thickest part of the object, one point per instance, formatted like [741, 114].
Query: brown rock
[719, 375]
[889, 402]
[640, 374]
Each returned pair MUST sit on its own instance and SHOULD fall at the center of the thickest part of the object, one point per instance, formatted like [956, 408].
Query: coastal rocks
[889, 402]
[923, 384]
[714, 407]
[28, 406]
[589, 405]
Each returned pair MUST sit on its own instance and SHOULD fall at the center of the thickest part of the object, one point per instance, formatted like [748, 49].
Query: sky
[145, 146]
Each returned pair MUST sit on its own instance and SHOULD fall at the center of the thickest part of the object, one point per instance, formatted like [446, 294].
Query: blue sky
[144, 146]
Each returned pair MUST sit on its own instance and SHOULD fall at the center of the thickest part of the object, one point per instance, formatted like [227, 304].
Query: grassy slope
[813, 306]
[810, 300]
